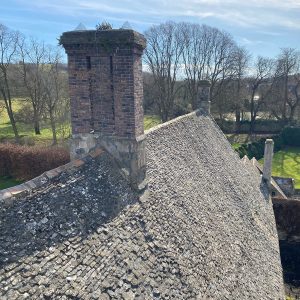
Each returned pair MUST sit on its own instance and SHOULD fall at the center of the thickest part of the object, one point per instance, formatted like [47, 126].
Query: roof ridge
[165, 124]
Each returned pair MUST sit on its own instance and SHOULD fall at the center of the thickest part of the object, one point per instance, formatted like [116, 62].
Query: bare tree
[195, 57]
[260, 87]
[8, 55]
[55, 86]
[208, 54]
[241, 58]
[34, 64]
[163, 58]
[286, 85]
[293, 99]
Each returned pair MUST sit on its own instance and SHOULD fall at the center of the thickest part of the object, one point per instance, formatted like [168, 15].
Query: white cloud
[251, 13]
[245, 41]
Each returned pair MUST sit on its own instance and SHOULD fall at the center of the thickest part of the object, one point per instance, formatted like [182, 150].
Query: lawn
[286, 163]
[151, 121]
[26, 130]
[6, 182]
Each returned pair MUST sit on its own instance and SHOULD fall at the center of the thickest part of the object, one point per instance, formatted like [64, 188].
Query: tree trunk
[36, 122]
[7, 100]
[237, 120]
[252, 124]
[53, 128]
[12, 120]
[285, 98]
[292, 114]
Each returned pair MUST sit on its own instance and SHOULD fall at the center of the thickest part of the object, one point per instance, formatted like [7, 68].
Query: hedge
[260, 126]
[25, 163]
[255, 149]
[290, 136]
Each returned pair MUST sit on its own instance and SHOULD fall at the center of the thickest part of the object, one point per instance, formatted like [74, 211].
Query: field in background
[26, 130]
[286, 163]
[151, 121]
[6, 182]
[237, 139]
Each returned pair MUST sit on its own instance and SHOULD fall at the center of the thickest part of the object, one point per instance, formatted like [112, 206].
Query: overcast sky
[262, 26]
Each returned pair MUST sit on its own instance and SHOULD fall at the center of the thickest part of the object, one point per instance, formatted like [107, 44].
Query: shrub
[242, 150]
[24, 114]
[261, 126]
[278, 142]
[104, 26]
[256, 149]
[24, 163]
[291, 136]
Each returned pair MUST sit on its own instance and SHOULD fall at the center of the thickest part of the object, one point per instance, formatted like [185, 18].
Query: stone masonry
[106, 90]
[268, 156]
[203, 97]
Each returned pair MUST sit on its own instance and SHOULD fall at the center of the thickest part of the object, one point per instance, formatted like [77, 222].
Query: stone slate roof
[204, 229]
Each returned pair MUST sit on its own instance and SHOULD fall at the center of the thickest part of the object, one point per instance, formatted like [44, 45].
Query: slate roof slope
[203, 230]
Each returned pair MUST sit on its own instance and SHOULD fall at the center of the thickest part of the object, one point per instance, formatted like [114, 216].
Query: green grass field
[286, 163]
[26, 130]
[6, 182]
[151, 121]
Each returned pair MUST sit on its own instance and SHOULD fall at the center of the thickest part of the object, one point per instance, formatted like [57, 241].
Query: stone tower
[106, 91]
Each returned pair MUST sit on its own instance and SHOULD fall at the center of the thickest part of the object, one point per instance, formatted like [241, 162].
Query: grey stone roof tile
[204, 229]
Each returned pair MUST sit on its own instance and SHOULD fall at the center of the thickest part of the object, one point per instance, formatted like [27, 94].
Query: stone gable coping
[7, 195]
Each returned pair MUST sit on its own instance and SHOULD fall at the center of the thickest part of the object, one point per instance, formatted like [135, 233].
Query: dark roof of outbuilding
[204, 229]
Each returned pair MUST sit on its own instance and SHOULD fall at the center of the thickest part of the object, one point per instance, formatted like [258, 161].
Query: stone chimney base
[129, 154]
[81, 144]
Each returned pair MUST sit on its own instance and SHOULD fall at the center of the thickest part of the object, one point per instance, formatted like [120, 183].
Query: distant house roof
[204, 229]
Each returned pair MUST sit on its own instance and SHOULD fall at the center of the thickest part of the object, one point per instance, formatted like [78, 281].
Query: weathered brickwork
[105, 77]
[106, 89]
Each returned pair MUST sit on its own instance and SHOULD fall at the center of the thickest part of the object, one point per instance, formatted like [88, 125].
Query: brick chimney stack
[106, 91]
[203, 97]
